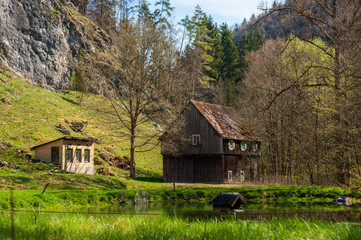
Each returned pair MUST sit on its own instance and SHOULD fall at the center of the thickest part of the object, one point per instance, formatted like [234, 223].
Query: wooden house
[72, 154]
[215, 146]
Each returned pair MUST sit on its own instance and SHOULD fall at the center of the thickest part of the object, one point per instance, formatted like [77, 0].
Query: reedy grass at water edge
[82, 226]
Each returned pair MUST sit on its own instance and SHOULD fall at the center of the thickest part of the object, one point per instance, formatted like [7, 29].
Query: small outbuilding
[72, 154]
[228, 201]
[210, 143]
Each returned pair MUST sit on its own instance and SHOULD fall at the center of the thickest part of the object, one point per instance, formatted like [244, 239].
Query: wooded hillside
[293, 73]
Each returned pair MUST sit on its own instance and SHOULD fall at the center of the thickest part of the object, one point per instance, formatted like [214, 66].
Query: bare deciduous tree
[137, 96]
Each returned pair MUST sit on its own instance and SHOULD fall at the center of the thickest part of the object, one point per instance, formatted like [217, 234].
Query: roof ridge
[215, 104]
[65, 137]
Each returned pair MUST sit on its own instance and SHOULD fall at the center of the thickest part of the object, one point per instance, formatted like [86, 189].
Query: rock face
[43, 40]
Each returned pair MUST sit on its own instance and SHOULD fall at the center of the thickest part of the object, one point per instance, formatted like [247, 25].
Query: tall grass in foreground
[80, 226]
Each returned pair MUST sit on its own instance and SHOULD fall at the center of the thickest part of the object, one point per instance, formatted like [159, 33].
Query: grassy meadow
[88, 226]
[35, 112]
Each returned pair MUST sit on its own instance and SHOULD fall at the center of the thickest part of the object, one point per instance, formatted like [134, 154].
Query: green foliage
[220, 59]
[76, 198]
[230, 68]
[73, 80]
[248, 42]
[300, 55]
[162, 13]
[54, 12]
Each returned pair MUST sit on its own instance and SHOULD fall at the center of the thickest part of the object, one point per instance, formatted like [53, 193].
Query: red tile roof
[226, 121]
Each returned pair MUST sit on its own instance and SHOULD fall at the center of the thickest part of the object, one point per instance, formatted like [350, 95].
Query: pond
[258, 212]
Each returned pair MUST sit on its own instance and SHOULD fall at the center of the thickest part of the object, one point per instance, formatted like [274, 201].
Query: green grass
[64, 181]
[79, 226]
[34, 113]
[65, 199]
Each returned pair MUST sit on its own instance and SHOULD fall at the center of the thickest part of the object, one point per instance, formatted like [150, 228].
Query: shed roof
[226, 121]
[66, 138]
[228, 200]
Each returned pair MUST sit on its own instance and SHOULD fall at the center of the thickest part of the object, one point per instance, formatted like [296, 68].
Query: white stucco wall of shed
[43, 153]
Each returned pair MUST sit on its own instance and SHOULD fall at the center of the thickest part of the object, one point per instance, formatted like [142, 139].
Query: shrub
[54, 12]
[201, 193]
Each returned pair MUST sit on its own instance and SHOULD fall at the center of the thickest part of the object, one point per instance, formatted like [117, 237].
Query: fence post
[46, 186]
[135, 197]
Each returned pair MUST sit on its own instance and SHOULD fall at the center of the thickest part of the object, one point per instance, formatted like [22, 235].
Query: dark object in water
[342, 201]
[228, 201]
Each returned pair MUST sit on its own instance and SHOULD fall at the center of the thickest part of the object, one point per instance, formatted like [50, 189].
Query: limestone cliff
[43, 40]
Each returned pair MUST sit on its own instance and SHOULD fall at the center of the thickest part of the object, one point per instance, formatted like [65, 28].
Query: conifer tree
[230, 64]
[213, 39]
[248, 42]
[230, 58]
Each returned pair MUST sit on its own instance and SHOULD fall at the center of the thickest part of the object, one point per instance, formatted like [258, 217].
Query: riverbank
[62, 199]
[87, 226]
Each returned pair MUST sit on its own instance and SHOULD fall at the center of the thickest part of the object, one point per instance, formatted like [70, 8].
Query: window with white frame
[196, 139]
[255, 146]
[243, 145]
[231, 145]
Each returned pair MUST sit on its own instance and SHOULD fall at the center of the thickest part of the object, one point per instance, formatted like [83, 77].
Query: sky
[229, 11]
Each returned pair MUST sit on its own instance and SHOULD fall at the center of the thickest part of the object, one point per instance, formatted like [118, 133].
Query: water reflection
[251, 212]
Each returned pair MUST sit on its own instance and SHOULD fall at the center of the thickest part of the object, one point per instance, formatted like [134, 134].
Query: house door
[55, 155]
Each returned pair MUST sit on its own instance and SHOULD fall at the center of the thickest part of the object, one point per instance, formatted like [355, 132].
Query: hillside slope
[29, 116]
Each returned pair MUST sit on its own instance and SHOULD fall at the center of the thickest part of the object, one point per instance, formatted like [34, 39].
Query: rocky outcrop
[62, 129]
[43, 40]
[6, 101]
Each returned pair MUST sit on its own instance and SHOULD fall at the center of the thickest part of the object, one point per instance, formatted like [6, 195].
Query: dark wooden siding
[192, 169]
[178, 169]
[211, 142]
[208, 169]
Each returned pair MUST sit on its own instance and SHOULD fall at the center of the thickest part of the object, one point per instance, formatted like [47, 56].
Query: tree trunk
[132, 153]
[339, 154]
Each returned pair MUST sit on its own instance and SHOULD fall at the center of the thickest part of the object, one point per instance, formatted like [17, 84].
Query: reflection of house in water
[217, 146]
[72, 154]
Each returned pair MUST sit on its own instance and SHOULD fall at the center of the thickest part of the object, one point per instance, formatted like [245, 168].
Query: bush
[4, 204]
[201, 193]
